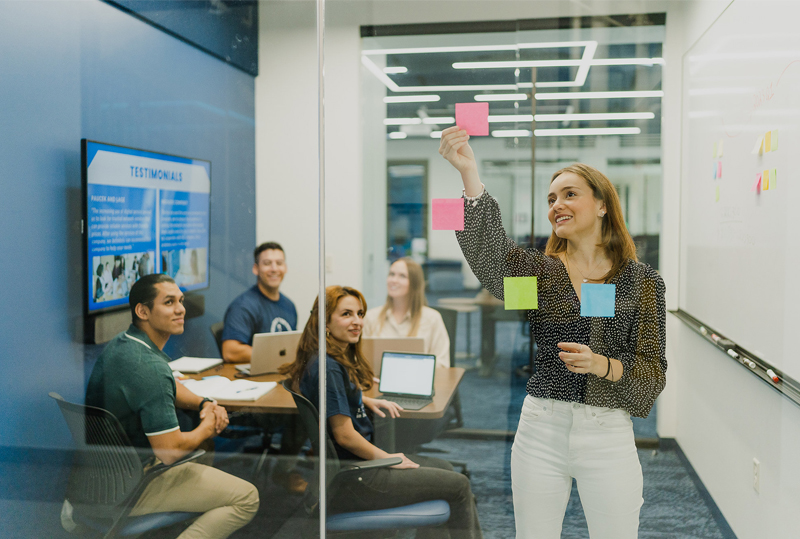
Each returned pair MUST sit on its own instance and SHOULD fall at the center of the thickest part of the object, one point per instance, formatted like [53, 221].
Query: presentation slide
[145, 213]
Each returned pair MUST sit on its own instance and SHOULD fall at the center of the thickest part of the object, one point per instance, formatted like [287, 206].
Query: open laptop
[270, 351]
[374, 347]
[407, 379]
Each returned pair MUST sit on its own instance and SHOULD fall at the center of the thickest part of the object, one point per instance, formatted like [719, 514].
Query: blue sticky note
[598, 299]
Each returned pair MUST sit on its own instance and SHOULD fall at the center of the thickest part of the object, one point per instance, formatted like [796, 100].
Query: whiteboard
[740, 245]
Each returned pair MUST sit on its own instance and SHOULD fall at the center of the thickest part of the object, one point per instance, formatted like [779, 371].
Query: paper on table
[520, 293]
[447, 214]
[598, 299]
[473, 117]
[221, 388]
[194, 364]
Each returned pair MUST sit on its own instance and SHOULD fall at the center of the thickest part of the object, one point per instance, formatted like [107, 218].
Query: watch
[203, 403]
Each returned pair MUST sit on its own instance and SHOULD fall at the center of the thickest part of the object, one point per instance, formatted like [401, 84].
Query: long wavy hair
[416, 295]
[348, 354]
[615, 237]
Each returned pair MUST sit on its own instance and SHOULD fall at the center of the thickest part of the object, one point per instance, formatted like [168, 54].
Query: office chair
[216, 331]
[418, 515]
[107, 476]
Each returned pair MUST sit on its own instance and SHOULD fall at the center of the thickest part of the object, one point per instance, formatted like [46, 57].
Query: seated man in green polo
[132, 380]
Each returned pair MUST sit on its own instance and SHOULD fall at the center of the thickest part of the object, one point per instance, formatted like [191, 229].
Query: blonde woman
[406, 312]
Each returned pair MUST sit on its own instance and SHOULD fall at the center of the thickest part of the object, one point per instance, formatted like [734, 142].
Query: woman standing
[406, 312]
[415, 479]
[591, 373]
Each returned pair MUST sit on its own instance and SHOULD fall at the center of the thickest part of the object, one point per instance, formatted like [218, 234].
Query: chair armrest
[370, 464]
[160, 467]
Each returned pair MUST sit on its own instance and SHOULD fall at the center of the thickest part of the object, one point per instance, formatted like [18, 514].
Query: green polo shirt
[132, 380]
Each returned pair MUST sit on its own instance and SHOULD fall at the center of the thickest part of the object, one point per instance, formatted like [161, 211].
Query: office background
[86, 69]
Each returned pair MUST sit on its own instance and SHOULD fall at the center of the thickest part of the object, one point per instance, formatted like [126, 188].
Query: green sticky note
[520, 293]
[715, 150]
[773, 177]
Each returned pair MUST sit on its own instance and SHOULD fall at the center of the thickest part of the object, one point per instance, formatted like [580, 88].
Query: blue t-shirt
[253, 312]
[344, 398]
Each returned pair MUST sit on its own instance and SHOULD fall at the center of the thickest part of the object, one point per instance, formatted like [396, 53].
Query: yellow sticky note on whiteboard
[767, 141]
[774, 140]
[765, 180]
[719, 149]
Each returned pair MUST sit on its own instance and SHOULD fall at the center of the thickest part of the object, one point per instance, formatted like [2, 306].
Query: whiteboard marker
[732, 353]
[703, 331]
[772, 375]
[750, 364]
[715, 338]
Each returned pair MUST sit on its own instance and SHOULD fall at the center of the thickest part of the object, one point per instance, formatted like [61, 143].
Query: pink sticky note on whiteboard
[758, 182]
[447, 214]
[473, 117]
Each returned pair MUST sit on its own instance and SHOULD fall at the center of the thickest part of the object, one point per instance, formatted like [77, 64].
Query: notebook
[270, 351]
[221, 388]
[194, 365]
[407, 379]
[374, 347]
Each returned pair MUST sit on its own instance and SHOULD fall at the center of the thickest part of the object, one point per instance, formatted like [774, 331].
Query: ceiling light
[597, 95]
[402, 121]
[511, 118]
[398, 135]
[516, 64]
[442, 120]
[411, 99]
[593, 116]
[395, 70]
[481, 48]
[436, 134]
[587, 131]
[501, 97]
[504, 133]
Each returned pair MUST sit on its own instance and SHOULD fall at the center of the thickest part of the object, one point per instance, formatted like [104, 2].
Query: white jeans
[559, 440]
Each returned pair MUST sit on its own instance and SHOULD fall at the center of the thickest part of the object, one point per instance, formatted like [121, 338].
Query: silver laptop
[407, 379]
[374, 347]
[270, 351]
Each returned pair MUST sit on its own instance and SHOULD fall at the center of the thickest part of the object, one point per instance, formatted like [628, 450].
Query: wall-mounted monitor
[144, 212]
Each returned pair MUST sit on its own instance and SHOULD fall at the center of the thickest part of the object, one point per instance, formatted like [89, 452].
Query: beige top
[431, 329]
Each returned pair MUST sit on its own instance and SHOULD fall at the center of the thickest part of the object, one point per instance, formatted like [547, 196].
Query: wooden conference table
[279, 401]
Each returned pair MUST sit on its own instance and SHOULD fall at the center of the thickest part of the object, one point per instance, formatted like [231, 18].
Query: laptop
[374, 347]
[407, 379]
[270, 351]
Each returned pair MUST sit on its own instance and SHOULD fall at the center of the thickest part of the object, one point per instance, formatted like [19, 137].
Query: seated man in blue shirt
[263, 309]
[260, 309]
[133, 381]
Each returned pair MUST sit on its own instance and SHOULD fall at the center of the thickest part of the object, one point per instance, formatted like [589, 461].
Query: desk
[279, 401]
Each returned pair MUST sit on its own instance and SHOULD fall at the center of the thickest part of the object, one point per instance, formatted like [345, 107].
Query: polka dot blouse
[636, 335]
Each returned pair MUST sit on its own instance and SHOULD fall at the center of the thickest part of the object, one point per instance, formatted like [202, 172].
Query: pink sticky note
[719, 169]
[447, 213]
[473, 117]
[758, 182]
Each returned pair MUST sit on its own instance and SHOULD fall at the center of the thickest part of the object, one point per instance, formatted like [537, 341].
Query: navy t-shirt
[344, 398]
[253, 312]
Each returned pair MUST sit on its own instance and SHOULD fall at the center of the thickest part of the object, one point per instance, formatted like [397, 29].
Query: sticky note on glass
[598, 299]
[719, 169]
[757, 184]
[773, 178]
[715, 171]
[774, 140]
[473, 117]
[447, 214]
[765, 180]
[758, 148]
[520, 293]
[715, 150]
[716, 198]
[719, 148]
[768, 141]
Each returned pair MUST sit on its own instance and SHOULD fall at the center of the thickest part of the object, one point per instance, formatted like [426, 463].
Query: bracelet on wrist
[203, 403]
[474, 199]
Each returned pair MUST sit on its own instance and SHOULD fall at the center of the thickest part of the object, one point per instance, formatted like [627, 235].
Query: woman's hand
[580, 358]
[454, 147]
[376, 404]
[406, 464]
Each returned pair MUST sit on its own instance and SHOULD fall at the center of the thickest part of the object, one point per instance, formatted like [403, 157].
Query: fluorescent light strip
[593, 116]
[411, 99]
[393, 86]
[395, 70]
[479, 48]
[397, 135]
[505, 133]
[439, 120]
[587, 131]
[597, 95]
[558, 63]
[511, 118]
[501, 97]
[402, 121]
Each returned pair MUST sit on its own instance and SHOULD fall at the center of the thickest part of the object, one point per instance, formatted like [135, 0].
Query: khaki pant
[227, 502]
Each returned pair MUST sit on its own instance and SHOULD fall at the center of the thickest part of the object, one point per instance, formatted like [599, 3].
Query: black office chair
[107, 476]
[216, 331]
[418, 515]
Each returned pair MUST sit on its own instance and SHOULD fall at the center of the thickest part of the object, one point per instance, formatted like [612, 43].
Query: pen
[772, 375]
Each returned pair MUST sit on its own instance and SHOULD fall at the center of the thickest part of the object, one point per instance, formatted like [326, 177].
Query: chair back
[450, 319]
[107, 469]
[216, 331]
[309, 417]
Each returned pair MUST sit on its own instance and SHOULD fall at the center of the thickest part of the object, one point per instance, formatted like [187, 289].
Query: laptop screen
[407, 374]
